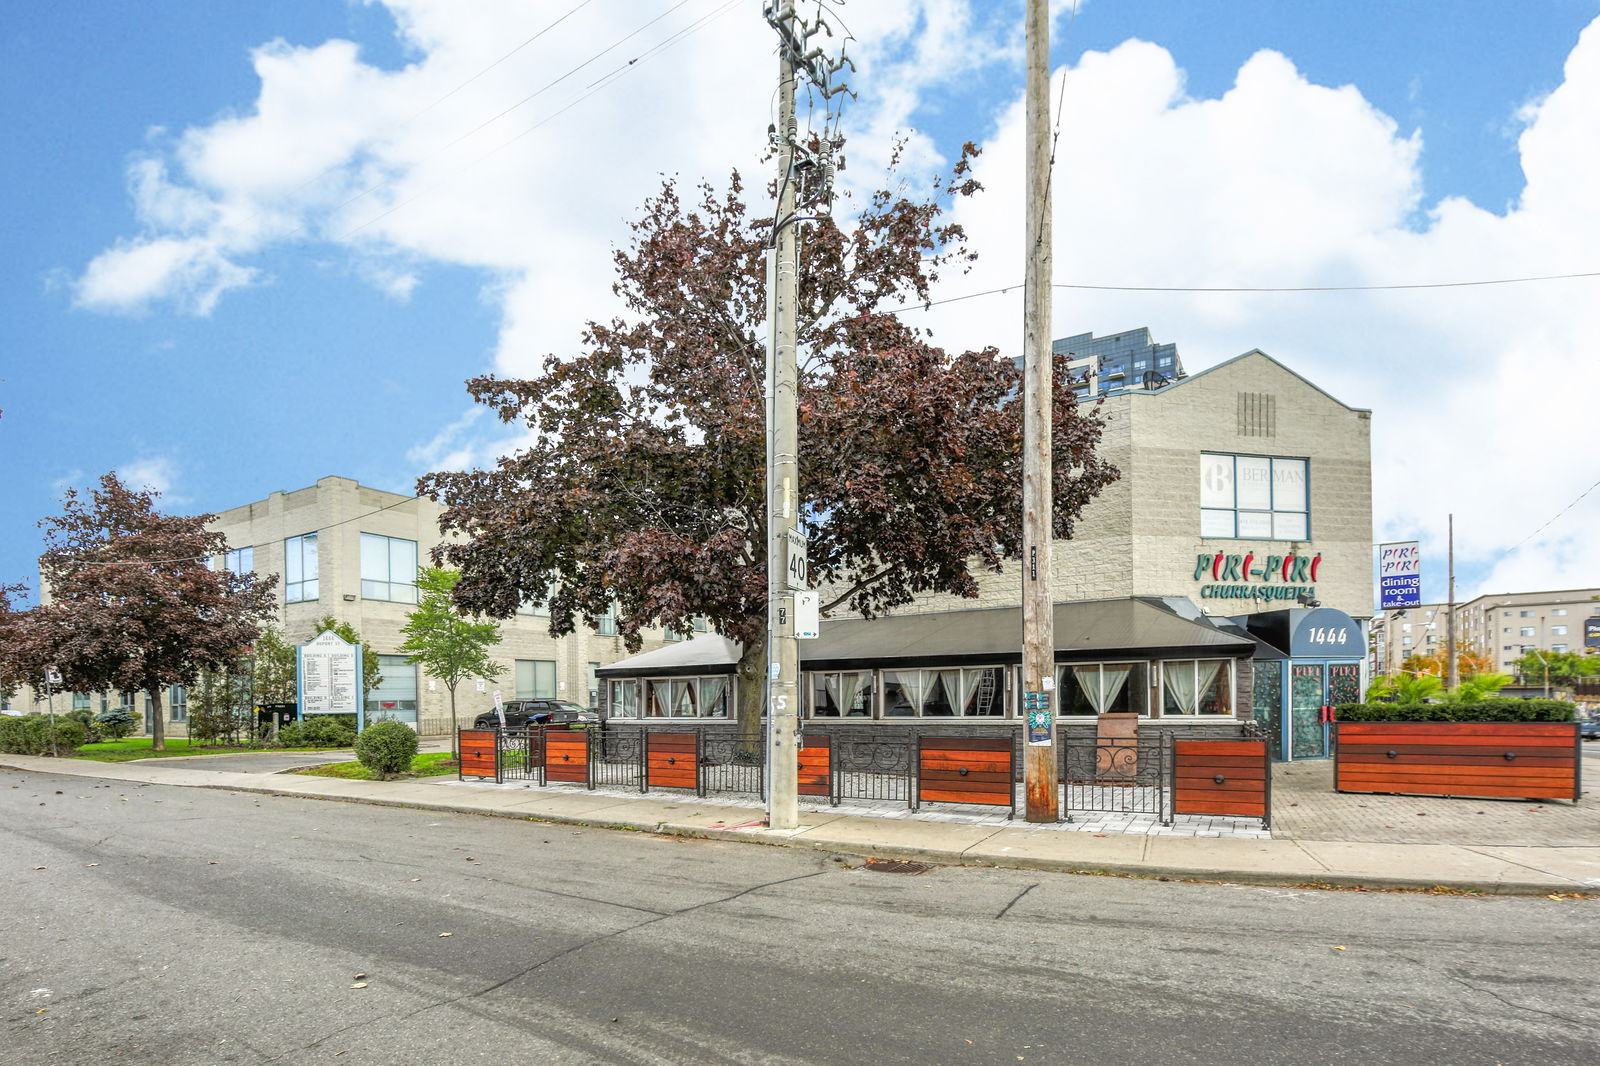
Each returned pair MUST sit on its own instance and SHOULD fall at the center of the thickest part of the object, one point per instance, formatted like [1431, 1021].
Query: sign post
[52, 678]
[328, 678]
[1399, 575]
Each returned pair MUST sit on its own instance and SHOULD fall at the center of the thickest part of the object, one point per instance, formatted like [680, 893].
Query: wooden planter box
[1513, 760]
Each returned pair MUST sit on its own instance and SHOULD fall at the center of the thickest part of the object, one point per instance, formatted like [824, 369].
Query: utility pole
[1039, 697]
[1452, 673]
[786, 555]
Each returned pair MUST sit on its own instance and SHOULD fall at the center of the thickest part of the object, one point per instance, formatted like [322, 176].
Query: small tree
[14, 663]
[387, 748]
[1479, 687]
[133, 602]
[1404, 688]
[221, 705]
[1470, 661]
[272, 668]
[449, 646]
[1563, 666]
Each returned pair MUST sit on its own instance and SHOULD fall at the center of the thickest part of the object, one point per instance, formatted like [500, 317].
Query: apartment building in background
[1503, 625]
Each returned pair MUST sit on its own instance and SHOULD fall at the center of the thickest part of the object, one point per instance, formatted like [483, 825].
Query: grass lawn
[428, 764]
[139, 748]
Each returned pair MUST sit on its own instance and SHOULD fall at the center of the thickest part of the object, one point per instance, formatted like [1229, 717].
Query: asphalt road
[155, 925]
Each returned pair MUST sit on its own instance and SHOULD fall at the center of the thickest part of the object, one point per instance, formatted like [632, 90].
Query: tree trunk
[455, 727]
[752, 693]
[158, 724]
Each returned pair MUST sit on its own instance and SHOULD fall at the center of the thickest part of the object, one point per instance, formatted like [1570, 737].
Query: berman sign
[1399, 575]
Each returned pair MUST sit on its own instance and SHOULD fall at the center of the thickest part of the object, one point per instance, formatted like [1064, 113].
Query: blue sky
[191, 299]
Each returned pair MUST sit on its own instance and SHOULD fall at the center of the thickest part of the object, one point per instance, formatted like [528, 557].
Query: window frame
[306, 589]
[1227, 673]
[384, 589]
[1272, 511]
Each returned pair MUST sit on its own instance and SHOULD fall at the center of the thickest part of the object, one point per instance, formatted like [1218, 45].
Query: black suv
[521, 713]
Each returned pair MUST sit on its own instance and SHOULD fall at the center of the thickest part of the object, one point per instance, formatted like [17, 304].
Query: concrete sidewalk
[1490, 868]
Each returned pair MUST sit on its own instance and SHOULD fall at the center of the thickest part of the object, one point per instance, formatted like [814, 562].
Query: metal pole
[50, 701]
[1038, 629]
[1453, 678]
[783, 470]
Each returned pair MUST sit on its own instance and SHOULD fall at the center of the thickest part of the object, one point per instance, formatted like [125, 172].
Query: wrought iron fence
[521, 755]
[872, 765]
[1132, 776]
[616, 759]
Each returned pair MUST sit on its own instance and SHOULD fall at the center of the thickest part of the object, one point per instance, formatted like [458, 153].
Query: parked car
[1589, 728]
[521, 713]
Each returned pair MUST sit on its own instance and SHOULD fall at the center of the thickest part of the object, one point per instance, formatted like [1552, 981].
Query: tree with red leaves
[132, 601]
[644, 485]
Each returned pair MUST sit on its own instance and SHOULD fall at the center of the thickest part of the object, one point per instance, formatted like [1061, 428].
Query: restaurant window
[300, 569]
[623, 698]
[1102, 688]
[842, 695]
[947, 693]
[1196, 686]
[686, 697]
[1254, 496]
[388, 568]
[536, 679]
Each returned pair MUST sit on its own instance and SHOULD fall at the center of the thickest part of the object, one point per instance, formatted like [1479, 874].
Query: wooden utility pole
[1039, 697]
[783, 468]
[1452, 671]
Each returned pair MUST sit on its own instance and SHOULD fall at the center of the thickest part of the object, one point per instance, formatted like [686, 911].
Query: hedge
[1493, 709]
[30, 734]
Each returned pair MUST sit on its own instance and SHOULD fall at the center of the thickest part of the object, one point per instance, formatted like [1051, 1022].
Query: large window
[177, 704]
[1254, 496]
[300, 569]
[388, 569]
[608, 622]
[686, 697]
[842, 695]
[945, 693]
[622, 698]
[1190, 686]
[536, 679]
[394, 697]
[1102, 688]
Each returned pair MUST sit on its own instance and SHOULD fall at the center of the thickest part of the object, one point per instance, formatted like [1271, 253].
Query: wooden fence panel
[816, 766]
[479, 753]
[1495, 760]
[1222, 777]
[966, 770]
[566, 756]
[672, 760]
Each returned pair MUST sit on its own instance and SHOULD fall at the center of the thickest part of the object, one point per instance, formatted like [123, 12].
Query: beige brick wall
[1141, 535]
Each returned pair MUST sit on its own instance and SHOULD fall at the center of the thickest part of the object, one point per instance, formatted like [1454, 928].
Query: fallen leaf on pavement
[359, 977]
[90, 865]
[1338, 947]
[447, 934]
[359, 984]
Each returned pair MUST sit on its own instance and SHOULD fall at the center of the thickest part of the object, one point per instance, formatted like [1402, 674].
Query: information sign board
[795, 571]
[1591, 632]
[1399, 575]
[329, 671]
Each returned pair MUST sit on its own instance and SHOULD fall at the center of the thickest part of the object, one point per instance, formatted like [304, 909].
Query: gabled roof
[1181, 382]
[1137, 628]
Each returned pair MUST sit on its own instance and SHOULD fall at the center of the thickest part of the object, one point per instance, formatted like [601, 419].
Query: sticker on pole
[1040, 718]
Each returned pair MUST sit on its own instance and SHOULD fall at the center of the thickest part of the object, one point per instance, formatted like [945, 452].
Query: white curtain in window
[657, 699]
[1089, 680]
[685, 702]
[1180, 682]
[915, 686]
[842, 689]
[713, 696]
[1112, 678]
[1208, 674]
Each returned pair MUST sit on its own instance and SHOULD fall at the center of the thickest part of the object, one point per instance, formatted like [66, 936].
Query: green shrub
[387, 748]
[1492, 709]
[116, 724]
[30, 734]
[317, 732]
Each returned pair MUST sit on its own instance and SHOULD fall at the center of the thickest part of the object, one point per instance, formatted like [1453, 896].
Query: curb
[941, 857]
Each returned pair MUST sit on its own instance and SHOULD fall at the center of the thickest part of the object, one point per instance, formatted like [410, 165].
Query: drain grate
[895, 866]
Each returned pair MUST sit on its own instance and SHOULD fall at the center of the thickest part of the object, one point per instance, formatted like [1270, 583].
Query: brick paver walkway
[1305, 807]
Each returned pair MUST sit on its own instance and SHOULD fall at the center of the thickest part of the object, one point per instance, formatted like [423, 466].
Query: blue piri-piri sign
[1399, 575]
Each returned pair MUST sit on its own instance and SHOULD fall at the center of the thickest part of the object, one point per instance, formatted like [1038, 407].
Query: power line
[596, 86]
[1558, 514]
[1326, 288]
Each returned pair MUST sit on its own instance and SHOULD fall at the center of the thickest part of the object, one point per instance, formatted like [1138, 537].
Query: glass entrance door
[1308, 736]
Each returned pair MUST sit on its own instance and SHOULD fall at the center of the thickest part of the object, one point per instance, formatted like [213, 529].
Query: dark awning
[1133, 628]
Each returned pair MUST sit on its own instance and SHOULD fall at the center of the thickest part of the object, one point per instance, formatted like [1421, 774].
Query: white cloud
[1478, 394]
[155, 473]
